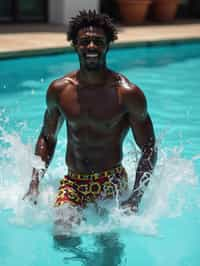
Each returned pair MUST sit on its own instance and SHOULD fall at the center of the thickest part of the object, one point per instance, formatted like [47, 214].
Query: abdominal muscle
[94, 154]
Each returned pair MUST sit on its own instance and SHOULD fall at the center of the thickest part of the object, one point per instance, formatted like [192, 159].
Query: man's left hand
[130, 204]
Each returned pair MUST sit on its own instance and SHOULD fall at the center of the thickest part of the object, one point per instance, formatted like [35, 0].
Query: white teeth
[92, 55]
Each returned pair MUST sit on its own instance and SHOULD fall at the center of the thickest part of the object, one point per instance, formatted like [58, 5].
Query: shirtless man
[98, 106]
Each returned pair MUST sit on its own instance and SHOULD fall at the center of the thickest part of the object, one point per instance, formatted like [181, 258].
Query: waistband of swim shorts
[119, 169]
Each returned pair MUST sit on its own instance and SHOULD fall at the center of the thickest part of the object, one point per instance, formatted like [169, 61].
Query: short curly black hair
[91, 18]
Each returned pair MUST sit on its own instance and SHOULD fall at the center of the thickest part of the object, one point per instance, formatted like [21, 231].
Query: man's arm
[47, 139]
[143, 132]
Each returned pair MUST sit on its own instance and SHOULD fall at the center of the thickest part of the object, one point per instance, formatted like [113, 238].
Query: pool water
[167, 228]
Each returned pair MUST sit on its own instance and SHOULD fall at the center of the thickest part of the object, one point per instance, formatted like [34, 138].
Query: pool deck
[33, 39]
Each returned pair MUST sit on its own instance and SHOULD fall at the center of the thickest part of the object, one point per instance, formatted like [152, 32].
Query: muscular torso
[97, 123]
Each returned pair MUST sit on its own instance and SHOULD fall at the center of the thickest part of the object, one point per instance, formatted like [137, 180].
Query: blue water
[167, 229]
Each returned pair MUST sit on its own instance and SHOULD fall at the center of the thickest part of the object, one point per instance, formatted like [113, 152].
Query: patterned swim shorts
[80, 189]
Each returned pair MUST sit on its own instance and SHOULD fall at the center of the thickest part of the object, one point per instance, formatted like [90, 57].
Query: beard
[92, 64]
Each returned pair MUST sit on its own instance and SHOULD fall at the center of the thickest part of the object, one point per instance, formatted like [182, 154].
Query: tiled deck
[17, 40]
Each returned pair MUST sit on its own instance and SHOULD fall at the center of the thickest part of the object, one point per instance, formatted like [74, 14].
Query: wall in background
[18, 11]
[61, 11]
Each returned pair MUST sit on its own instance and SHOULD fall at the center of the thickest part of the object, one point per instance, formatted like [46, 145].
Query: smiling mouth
[92, 55]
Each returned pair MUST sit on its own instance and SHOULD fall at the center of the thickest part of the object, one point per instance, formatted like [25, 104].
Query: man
[99, 106]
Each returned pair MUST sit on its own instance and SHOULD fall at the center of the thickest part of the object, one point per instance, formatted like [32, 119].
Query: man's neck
[93, 77]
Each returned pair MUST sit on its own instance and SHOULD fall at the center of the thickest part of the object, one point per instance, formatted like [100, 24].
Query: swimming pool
[167, 229]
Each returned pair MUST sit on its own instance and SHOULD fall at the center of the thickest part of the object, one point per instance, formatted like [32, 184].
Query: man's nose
[91, 44]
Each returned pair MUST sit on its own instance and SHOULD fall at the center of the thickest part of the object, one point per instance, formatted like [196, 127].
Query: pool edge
[69, 49]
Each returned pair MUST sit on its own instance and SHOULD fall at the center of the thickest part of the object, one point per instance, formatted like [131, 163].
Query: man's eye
[84, 42]
[99, 42]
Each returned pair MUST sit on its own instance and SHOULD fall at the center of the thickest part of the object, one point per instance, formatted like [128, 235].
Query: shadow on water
[108, 250]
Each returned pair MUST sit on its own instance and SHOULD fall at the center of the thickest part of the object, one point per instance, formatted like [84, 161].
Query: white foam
[168, 194]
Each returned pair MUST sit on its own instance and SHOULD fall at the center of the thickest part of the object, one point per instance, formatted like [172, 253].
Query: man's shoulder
[128, 90]
[62, 83]
[132, 97]
[59, 86]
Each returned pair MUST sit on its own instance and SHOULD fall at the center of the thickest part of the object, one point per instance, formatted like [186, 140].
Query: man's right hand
[33, 191]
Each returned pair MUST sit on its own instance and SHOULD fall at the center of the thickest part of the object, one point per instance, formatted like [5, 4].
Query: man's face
[91, 47]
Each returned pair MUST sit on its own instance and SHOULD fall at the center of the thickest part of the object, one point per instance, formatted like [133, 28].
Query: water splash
[172, 190]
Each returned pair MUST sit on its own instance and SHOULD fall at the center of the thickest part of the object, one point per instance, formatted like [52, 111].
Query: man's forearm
[143, 173]
[45, 148]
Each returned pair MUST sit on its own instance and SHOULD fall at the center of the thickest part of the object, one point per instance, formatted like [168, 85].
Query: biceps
[143, 132]
[52, 123]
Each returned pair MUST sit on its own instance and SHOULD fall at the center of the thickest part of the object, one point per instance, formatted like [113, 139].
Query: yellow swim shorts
[80, 189]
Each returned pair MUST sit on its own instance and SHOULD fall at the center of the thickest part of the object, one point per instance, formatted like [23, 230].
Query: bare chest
[92, 107]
